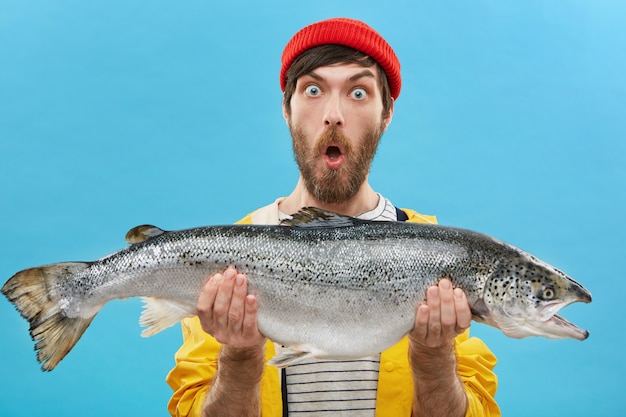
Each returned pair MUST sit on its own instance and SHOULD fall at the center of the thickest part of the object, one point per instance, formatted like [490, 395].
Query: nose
[333, 116]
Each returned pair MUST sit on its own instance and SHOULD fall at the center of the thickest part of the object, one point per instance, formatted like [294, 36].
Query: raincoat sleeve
[475, 364]
[196, 366]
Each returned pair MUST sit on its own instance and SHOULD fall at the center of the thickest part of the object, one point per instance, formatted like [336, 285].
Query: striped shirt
[343, 388]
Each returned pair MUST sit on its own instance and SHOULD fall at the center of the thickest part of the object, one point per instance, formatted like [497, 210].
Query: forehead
[343, 72]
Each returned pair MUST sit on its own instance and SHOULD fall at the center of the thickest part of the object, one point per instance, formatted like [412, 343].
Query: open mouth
[545, 322]
[333, 152]
[334, 157]
[563, 327]
[557, 325]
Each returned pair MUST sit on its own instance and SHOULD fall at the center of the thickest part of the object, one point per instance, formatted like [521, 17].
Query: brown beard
[335, 186]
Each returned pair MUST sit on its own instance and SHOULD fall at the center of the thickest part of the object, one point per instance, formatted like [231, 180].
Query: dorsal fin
[315, 217]
[142, 233]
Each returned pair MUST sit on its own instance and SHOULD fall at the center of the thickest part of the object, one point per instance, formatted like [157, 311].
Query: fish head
[523, 296]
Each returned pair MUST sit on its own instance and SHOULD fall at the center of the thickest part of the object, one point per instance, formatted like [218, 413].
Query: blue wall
[511, 121]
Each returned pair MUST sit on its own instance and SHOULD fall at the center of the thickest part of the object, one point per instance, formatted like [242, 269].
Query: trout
[327, 285]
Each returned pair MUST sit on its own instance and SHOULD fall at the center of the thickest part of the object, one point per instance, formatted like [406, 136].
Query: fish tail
[53, 332]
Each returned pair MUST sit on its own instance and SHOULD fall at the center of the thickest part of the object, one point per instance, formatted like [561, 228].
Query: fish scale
[327, 285]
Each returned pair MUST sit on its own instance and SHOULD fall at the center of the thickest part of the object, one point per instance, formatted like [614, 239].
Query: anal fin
[159, 314]
[290, 356]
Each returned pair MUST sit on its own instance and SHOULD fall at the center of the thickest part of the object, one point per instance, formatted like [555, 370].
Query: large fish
[327, 285]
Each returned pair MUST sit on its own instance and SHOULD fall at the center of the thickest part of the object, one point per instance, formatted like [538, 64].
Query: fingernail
[432, 292]
[458, 293]
[239, 280]
[445, 284]
[230, 273]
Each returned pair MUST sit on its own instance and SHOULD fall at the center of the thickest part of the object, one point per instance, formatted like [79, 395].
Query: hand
[445, 315]
[227, 312]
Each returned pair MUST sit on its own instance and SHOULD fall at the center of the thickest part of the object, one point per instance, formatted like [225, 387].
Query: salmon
[327, 285]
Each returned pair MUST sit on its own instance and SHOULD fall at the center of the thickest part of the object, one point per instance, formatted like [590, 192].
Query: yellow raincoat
[196, 364]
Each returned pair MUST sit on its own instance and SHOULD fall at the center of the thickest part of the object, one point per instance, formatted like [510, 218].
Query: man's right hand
[228, 313]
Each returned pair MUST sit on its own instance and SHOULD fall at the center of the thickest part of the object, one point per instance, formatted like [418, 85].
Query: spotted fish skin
[327, 285]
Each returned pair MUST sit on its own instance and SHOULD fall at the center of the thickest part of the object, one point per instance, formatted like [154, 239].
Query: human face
[336, 122]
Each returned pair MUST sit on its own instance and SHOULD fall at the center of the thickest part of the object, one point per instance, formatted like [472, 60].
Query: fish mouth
[546, 322]
[554, 326]
[566, 328]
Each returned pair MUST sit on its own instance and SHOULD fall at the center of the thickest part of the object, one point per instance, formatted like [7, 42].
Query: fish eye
[312, 90]
[358, 93]
[548, 293]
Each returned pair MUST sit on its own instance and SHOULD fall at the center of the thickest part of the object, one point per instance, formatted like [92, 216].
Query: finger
[223, 299]
[420, 330]
[249, 325]
[463, 311]
[237, 304]
[206, 301]
[434, 317]
[448, 316]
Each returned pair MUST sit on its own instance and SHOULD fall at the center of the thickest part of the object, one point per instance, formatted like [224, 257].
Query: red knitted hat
[347, 32]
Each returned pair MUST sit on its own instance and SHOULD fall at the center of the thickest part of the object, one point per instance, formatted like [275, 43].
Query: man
[340, 79]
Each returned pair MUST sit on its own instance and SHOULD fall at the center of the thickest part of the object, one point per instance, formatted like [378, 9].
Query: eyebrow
[365, 73]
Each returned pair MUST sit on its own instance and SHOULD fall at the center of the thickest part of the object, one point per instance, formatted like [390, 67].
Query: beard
[335, 186]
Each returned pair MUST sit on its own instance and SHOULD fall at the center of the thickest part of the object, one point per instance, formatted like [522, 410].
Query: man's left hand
[444, 315]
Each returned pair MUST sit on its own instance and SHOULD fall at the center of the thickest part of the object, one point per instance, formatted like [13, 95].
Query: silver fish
[327, 285]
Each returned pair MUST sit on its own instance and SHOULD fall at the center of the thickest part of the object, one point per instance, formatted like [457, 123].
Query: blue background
[511, 121]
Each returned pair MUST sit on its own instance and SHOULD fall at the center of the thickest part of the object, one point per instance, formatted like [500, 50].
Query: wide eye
[548, 293]
[312, 90]
[358, 93]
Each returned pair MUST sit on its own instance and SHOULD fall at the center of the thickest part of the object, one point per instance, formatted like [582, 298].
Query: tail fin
[53, 332]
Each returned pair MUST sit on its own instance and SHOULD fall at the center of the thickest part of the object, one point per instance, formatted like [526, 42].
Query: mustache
[332, 136]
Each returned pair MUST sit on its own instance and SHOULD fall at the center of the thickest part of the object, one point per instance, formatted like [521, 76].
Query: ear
[285, 113]
[389, 116]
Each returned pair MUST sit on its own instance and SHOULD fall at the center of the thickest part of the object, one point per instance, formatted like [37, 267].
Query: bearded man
[340, 80]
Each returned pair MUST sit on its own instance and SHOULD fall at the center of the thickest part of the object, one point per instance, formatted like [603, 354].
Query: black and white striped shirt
[344, 388]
